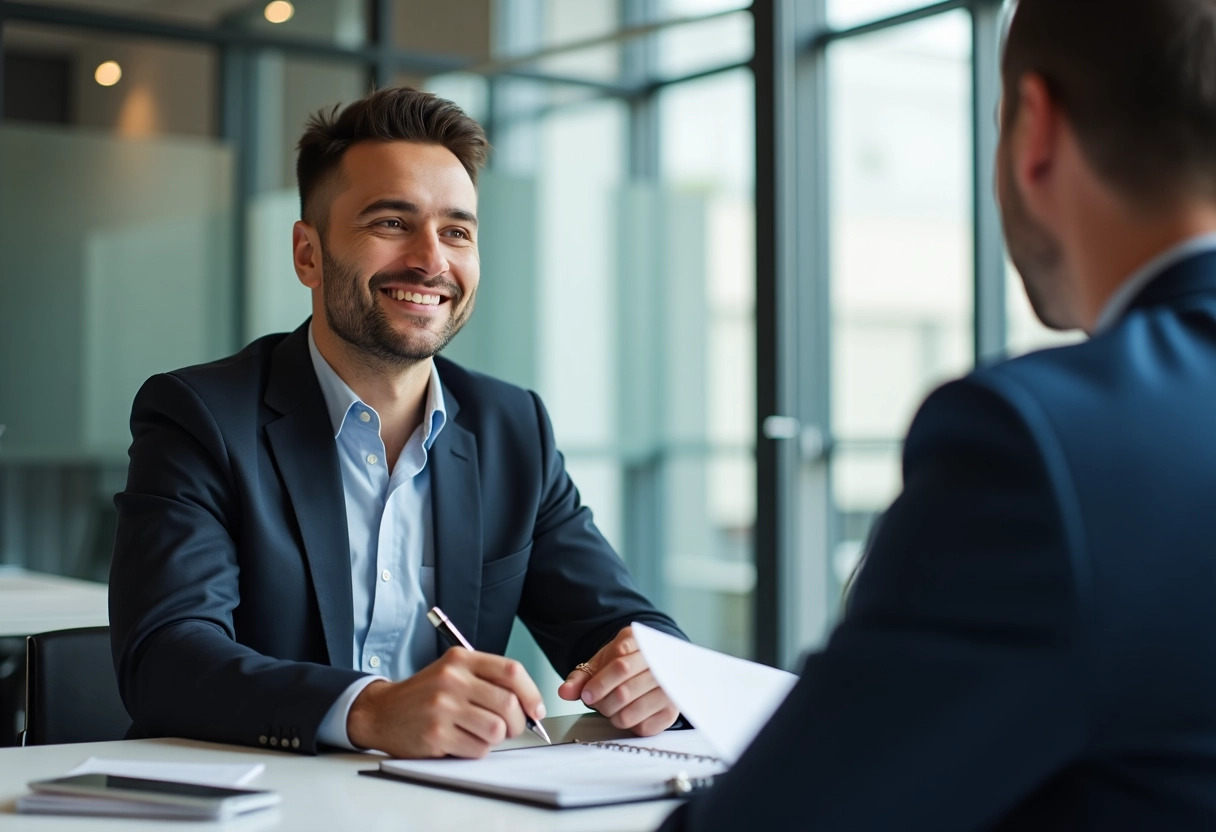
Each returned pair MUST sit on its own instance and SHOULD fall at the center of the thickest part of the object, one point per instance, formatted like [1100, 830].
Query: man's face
[1032, 248]
[399, 254]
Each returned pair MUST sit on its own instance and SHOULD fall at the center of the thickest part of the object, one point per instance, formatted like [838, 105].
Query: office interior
[731, 244]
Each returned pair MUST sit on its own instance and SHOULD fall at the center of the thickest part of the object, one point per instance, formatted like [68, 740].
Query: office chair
[71, 694]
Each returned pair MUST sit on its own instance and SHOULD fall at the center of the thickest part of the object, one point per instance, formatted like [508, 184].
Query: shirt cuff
[333, 726]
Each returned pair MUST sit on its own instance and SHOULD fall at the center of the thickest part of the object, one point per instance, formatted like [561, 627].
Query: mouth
[409, 298]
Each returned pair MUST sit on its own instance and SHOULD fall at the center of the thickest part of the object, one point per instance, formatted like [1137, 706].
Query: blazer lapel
[302, 444]
[456, 523]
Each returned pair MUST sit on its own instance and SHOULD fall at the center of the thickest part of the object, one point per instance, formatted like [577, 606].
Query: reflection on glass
[117, 212]
[162, 89]
[901, 243]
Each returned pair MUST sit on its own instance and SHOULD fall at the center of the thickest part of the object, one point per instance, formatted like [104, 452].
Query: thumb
[572, 688]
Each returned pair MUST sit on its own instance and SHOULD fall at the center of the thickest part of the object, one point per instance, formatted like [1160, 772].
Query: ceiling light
[280, 11]
[108, 73]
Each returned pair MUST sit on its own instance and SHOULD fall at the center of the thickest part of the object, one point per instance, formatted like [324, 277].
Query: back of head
[388, 115]
[1137, 81]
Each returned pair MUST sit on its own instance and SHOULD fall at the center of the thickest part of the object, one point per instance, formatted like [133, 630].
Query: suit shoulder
[484, 394]
[235, 381]
[1073, 383]
[236, 371]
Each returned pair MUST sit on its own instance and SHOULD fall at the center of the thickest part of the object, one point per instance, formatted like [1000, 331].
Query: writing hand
[462, 705]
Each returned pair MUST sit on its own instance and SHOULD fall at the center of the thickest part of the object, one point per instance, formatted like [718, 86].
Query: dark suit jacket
[230, 590]
[1032, 642]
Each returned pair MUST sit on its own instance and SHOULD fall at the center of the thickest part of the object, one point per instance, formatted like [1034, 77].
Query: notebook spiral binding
[679, 786]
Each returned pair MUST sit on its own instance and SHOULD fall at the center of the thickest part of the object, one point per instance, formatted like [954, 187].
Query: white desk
[33, 602]
[323, 793]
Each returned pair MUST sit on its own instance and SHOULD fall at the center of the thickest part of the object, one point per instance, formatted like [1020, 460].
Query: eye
[458, 233]
[389, 223]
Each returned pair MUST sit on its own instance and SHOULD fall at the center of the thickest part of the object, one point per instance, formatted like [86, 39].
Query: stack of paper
[203, 774]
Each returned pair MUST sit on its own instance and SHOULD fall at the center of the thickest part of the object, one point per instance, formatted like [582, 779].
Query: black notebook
[595, 773]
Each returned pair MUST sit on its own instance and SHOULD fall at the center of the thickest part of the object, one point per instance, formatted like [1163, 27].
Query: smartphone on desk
[111, 794]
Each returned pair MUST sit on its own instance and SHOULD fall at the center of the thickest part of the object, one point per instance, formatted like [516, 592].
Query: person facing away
[1031, 644]
[292, 512]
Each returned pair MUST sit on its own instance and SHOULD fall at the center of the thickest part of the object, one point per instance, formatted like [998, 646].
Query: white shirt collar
[1117, 303]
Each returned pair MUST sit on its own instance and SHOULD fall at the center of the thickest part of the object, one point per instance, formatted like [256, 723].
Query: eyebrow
[405, 207]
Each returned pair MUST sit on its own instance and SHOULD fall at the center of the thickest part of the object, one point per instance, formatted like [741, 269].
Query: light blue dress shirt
[392, 545]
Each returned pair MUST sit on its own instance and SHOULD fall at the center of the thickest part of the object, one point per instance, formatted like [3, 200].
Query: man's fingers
[628, 691]
[511, 676]
[641, 709]
[462, 743]
[611, 676]
[488, 724]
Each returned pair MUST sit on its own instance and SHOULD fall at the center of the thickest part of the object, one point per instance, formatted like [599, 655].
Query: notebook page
[571, 775]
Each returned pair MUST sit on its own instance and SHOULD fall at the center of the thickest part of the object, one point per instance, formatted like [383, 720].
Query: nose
[424, 253]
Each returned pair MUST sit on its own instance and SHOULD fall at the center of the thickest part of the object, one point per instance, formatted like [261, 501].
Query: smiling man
[293, 511]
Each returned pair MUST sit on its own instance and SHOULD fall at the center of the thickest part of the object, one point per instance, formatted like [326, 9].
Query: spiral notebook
[592, 773]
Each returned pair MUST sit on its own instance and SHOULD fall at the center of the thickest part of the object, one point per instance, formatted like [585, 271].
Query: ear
[1034, 146]
[306, 254]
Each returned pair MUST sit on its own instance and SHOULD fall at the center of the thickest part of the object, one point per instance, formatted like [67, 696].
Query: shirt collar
[1122, 298]
[340, 399]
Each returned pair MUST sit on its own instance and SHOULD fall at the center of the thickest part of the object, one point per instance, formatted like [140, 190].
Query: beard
[1035, 253]
[354, 315]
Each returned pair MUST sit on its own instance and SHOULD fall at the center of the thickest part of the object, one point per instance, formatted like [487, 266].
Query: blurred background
[732, 245]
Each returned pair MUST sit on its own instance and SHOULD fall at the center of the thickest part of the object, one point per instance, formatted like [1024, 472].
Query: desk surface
[34, 602]
[319, 793]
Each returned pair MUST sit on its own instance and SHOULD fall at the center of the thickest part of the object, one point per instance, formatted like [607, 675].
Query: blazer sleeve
[174, 583]
[578, 594]
[955, 685]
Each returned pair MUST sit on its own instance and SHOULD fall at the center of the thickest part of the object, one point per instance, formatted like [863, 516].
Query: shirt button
[371, 459]
[386, 575]
[374, 661]
[365, 416]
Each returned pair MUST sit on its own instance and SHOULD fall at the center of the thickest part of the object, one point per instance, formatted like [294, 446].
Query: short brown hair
[388, 115]
[1137, 79]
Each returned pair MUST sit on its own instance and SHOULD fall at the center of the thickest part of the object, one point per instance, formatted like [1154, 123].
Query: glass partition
[900, 167]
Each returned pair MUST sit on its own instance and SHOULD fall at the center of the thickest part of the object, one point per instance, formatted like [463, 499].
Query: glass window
[900, 165]
[845, 13]
[286, 92]
[116, 222]
[705, 281]
[694, 47]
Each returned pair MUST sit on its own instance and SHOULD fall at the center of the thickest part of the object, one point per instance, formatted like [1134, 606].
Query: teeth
[415, 297]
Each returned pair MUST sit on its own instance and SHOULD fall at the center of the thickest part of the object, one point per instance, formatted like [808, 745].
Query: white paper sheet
[205, 774]
[728, 699]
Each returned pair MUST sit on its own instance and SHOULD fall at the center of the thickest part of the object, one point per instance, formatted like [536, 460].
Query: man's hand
[621, 687]
[462, 704]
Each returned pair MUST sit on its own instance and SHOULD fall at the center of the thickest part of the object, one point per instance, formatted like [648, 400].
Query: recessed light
[280, 11]
[107, 73]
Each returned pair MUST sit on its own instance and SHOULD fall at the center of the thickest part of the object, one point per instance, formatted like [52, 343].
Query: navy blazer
[230, 589]
[1032, 642]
